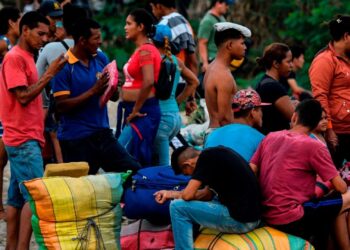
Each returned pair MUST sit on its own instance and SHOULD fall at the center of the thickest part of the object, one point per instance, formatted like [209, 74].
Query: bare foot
[3, 214]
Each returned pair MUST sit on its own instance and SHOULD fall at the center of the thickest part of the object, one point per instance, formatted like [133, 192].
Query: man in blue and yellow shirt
[84, 132]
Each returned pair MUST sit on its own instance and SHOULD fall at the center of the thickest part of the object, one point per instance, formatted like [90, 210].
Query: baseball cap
[222, 26]
[247, 99]
[51, 8]
[161, 32]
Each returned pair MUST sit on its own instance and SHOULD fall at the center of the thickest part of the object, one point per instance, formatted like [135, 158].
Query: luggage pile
[85, 213]
[152, 229]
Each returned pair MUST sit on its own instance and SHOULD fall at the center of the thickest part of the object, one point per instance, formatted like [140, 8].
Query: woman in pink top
[141, 107]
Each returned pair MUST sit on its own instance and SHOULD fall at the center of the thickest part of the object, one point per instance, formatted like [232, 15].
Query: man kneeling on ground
[287, 163]
[223, 194]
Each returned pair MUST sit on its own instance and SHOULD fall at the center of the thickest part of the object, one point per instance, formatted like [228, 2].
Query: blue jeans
[125, 138]
[210, 214]
[26, 163]
[169, 126]
[139, 140]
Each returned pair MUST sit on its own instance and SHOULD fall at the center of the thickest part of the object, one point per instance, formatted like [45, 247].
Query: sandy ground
[112, 117]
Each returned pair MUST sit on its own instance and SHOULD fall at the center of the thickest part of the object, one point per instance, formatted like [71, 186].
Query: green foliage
[302, 22]
[112, 20]
[307, 24]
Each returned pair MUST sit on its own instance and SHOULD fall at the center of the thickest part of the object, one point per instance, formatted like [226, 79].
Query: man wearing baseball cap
[52, 10]
[219, 84]
[241, 135]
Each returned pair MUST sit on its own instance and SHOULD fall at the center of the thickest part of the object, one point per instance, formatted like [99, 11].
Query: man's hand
[101, 84]
[56, 65]
[190, 107]
[162, 196]
[331, 138]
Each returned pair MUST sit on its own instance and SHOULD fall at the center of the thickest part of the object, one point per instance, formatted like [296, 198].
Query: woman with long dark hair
[277, 61]
[139, 106]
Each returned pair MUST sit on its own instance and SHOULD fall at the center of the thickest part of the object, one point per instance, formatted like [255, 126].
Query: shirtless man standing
[219, 84]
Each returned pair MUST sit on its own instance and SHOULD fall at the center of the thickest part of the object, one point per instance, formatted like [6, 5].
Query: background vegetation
[301, 22]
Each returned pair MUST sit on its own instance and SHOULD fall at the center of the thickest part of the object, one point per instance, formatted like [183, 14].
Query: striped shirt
[182, 34]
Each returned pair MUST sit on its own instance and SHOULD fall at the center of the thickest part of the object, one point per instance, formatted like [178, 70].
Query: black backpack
[165, 83]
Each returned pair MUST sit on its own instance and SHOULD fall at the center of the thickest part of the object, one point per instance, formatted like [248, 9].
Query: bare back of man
[220, 87]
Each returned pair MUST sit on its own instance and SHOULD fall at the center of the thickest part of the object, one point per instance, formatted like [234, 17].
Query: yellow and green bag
[265, 238]
[76, 213]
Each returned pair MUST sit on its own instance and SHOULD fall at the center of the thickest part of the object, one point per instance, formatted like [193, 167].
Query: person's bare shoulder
[220, 77]
[213, 75]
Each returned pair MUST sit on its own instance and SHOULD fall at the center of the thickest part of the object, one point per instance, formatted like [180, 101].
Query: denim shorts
[25, 164]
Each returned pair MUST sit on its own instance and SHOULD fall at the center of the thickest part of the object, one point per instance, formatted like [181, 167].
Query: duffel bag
[76, 213]
[139, 199]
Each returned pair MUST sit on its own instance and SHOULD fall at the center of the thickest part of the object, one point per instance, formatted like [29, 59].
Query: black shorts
[324, 208]
[319, 215]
